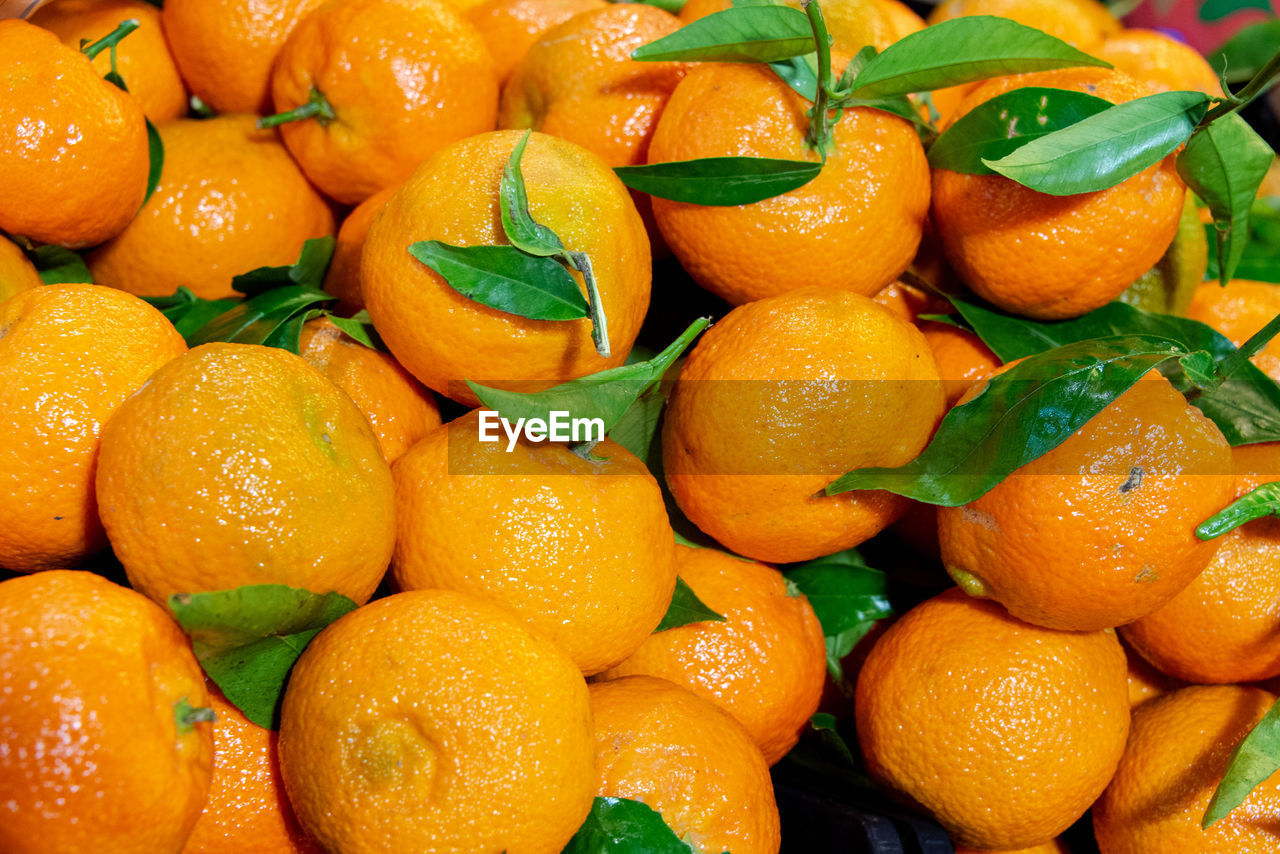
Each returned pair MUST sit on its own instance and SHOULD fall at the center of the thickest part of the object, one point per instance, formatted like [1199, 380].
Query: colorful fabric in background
[1203, 24]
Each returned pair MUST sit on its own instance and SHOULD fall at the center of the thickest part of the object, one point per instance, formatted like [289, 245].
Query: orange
[399, 409]
[961, 356]
[1057, 846]
[1145, 682]
[142, 58]
[1052, 257]
[903, 21]
[510, 27]
[1178, 749]
[80, 172]
[1082, 23]
[230, 200]
[1238, 311]
[99, 752]
[402, 78]
[459, 730]
[909, 302]
[873, 192]
[582, 551]
[69, 355]
[238, 464]
[225, 48]
[578, 82]
[1224, 626]
[247, 809]
[1112, 510]
[342, 279]
[851, 23]
[765, 664]
[443, 337]
[16, 272]
[781, 397]
[1162, 62]
[961, 710]
[662, 745]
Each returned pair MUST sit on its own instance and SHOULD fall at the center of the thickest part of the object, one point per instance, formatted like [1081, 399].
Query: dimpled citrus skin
[510, 27]
[780, 398]
[142, 58]
[225, 48]
[433, 721]
[1161, 61]
[342, 279]
[1239, 310]
[69, 355]
[582, 551]
[1112, 510]
[1004, 731]
[856, 226]
[404, 78]
[74, 169]
[961, 357]
[93, 757]
[247, 809]
[443, 337]
[765, 664]
[239, 464]
[230, 200]
[1053, 257]
[16, 272]
[662, 745]
[1082, 23]
[1178, 750]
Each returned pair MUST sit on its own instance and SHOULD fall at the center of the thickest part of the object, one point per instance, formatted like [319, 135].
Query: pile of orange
[499, 637]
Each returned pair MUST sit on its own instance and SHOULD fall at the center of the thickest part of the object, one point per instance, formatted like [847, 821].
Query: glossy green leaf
[621, 826]
[843, 595]
[288, 334]
[1008, 121]
[507, 279]
[686, 608]
[1020, 415]
[155, 155]
[308, 270]
[1258, 503]
[800, 73]
[740, 34]
[1224, 164]
[720, 181]
[255, 320]
[1255, 759]
[825, 725]
[58, 266]
[1245, 53]
[358, 327]
[247, 639]
[964, 50]
[524, 232]
[1106, 148]
[188, 312]
[1260, 261]
[638, 427]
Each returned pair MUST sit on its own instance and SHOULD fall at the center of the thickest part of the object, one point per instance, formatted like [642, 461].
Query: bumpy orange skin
[434, 721]
[1145, 682]
[142, 58]
[1238, 311]
[765, 664]
[404, 77]
[1162, 62]
[581, 551]
[342, 279]
[1112, 510]
[1178, 750]
[400, 410]
[69, 355]
[510, 27]
[247, 809]
[93, 758]
[1005, 731]
[443, 337]
[225, 48]
[1053, 257]
[781, 397]
[74, 171]
[856, 226]
[1082, 23]
[903, 21]
[853, 24]
[230, 200]
[660, 744]
[238, 464]
[961, 356]
[16, 272]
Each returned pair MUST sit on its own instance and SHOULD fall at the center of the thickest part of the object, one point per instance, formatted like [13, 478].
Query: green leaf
[741, 34]
[686, 608]
[800, 73]
[1245, 53]
[524, 232]
[288, 335]
[964, 50]
[1105, 149]
[256, 320]
[1021, 414]
[1261, 258]
[247, 639]
[58, 266]
[308, 270]
[621, 826]
[188, 312]
[1008, 121]
[719, 181]
[1224, 164]
[358, 327]
[1255, 759]
[1258, 503]
[843, 595]
[606, 395]
[507, 279]
[638, 426]
[825, 725]
[155, 151]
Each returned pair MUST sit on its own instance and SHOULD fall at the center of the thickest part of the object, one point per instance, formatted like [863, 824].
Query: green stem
[1235, 361]
[111, 39]
[187, 716]
[317, 107]
[599, 326]
[819, 136]
[1255, 87]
